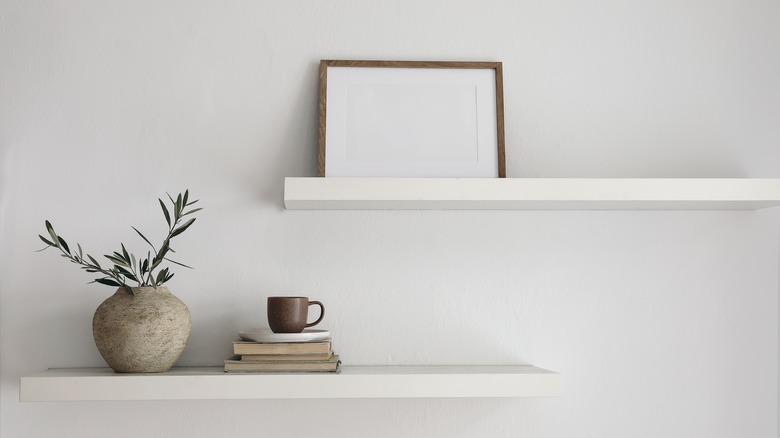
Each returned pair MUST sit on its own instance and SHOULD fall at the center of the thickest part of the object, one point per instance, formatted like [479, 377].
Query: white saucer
[266, 335]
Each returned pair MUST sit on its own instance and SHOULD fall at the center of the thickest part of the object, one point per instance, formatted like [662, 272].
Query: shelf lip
[531, 193]
[212, 383]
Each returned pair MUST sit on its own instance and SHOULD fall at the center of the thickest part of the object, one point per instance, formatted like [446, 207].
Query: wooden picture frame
[411, 119]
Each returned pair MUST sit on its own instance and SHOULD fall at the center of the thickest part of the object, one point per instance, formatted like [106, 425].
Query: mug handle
[322, 313]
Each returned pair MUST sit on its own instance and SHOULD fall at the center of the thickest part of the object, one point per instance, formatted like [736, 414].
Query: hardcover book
[330, 365]
[248, 347]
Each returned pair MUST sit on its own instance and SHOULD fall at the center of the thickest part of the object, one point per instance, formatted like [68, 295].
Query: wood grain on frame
[324, 64]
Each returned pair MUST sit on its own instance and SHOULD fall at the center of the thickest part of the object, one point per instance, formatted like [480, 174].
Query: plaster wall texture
[662, 323]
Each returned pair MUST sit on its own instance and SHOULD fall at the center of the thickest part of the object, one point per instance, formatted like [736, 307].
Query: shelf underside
[212, 383]
[530, 193]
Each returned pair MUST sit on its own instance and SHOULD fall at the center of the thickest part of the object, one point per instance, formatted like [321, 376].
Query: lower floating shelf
[212, 383]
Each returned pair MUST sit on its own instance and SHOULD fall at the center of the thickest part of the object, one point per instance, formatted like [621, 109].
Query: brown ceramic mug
[290, 314]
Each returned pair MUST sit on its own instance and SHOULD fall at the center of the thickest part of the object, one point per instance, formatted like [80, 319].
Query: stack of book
[283, 357]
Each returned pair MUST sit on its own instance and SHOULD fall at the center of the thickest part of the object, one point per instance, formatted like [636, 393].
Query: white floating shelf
[530, 193]
[212, 383]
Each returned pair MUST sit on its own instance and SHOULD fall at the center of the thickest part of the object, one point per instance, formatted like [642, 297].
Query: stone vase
[145, 332]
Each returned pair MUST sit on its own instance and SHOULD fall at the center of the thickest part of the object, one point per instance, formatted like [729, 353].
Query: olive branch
[126, 266]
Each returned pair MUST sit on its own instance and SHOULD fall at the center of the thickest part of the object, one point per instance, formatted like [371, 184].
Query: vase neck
[147, 290]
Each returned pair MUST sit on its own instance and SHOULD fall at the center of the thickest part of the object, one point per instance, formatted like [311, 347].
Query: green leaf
[179, 206]
[188, 204]
[94, 262]
[123, 271]
[186, 195]
[53, 235]
[182, 228]
[135, 262]
[180, 264]
[115, 260]
[191, 211]
[64, 244]
[144, 266]
[125, 255]
[163, 249]
[165, 211]
[81, 253]
[108, 282]
[46, 241]
[126, 273]
[144, 237]
[161, 275]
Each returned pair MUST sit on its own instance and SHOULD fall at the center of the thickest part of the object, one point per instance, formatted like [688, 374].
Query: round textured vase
[145, 332]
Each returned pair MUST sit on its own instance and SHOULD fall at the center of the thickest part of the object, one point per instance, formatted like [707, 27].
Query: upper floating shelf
[530, 193]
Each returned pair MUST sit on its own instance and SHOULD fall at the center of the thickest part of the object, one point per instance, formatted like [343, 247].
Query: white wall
[662, 323]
